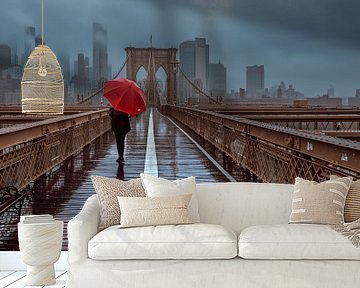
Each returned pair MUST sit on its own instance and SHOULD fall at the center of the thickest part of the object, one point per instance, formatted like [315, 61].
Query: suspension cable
[196, 87]
[102, 88]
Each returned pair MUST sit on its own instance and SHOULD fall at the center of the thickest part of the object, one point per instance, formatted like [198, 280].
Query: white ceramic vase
[40, 247]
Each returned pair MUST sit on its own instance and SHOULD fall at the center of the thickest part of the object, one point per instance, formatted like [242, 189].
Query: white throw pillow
[160, 187]
[152, 211]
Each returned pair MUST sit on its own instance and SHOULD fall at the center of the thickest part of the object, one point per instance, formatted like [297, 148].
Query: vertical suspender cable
[42, 23]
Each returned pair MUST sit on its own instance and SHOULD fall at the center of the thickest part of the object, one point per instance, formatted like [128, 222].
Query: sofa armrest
[82, 228]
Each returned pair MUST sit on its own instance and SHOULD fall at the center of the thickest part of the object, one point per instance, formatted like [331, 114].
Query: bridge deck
[175, 155]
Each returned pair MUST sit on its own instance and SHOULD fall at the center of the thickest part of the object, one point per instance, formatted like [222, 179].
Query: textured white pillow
[160, 187]
[152, 211]
[319, 203]
[107, 189]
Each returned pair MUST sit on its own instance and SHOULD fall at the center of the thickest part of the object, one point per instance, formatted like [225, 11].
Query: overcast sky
[311, 44]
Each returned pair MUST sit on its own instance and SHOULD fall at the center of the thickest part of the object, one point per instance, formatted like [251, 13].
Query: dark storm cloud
[336, 21]
[331, 20]
[309, 43]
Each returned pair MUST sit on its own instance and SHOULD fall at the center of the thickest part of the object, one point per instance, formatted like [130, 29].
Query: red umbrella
[125, 96]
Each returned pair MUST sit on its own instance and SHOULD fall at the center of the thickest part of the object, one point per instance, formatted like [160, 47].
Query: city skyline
[310, 59]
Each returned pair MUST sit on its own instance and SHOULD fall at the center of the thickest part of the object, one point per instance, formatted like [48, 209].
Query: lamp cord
[42, 23]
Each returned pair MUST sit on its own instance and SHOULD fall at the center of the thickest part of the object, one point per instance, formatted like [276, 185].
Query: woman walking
[120, 124]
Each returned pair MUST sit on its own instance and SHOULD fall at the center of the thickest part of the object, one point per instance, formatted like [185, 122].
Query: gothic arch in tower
[151, 59]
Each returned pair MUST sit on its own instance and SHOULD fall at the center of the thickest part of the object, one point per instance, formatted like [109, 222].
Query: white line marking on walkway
[151, 166]
[217, 164]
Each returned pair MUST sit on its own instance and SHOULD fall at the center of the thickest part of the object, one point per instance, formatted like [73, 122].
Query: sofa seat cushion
[192, 241]
[295, 241]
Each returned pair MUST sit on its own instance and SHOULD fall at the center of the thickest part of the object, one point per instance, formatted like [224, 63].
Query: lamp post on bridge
[175, 66]
[175, 69]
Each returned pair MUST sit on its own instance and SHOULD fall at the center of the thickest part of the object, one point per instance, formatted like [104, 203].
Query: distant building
[242, 93]
[282, 91]
[255, 80]
[80, 82]
[10, 90]
[87, 73]
[83, 74]
[81, 65]
[5, 57]
[355, 101]
[12, 97]
[325, 100]
[13, 72]
[232, 96]
[357, 93]
[76, 68]
[38, 40]
[290, 92]
[331, 91]
[194, 61]
[217, 79]
[14, 55]
[64, 61]
[29, 43]
[100, 55]
[110, 76]
[187, 58]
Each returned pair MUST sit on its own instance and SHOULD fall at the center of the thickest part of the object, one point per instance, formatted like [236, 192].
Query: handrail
[239, 136]
[12, 201]
[30, 150]
[17, 134]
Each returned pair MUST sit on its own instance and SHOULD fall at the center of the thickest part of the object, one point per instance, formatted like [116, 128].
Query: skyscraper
[255, 80]
[100, 56]
[29, 43]
[38, 40]
[5, 57]
[14, 55]
[81, 65]
[187, 58]
[217, 79]
[202, 61]
[194, 61]
[64, 61]
[82, 77]
[331, 91]
[87, 74]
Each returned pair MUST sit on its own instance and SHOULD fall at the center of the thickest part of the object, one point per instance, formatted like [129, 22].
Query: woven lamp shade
[42, 83]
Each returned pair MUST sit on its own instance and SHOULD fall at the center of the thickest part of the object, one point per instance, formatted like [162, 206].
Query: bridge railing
[273, 153]
[30, 150]
[350, 122]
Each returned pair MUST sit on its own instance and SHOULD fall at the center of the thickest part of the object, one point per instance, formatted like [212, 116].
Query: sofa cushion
[145, 211]
[107, 190]
[295, 241]
[160, 187]
[352, 202]
[192, 241]
[319, 203]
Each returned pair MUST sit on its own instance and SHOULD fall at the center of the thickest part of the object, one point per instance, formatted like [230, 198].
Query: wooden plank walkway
[63, 192]
[16, 279]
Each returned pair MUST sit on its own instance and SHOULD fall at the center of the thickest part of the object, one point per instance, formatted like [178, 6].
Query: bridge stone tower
[152, 59]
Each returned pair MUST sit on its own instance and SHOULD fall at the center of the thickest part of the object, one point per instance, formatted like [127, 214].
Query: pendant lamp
[42, 84]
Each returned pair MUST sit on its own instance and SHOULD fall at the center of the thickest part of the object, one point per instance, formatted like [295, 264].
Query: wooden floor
[161, 148]
[16, 279]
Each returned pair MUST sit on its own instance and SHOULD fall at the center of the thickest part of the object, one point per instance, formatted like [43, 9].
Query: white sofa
[277, 254]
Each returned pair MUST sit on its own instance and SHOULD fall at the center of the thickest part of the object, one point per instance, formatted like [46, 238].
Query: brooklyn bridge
[46, 161]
